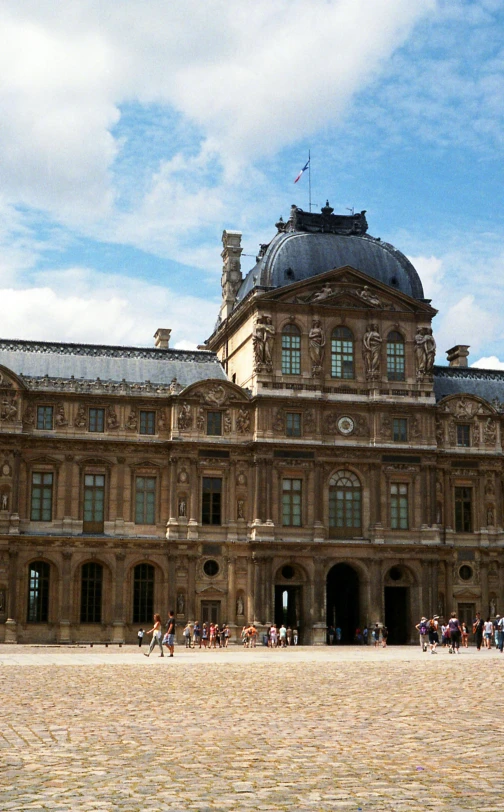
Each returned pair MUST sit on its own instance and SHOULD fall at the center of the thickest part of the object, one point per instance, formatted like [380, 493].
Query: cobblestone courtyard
[306, 729]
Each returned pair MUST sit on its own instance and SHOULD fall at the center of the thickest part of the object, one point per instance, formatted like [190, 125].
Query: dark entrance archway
[288, 604]
[396, 614]
[343, 608]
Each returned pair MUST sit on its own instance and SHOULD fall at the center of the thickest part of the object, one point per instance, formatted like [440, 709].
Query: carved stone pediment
[465, 407]
[215, 393]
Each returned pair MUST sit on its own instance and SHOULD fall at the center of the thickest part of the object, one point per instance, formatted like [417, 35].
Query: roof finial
[327, 209]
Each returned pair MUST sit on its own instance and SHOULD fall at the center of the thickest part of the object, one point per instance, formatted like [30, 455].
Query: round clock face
[345, 425]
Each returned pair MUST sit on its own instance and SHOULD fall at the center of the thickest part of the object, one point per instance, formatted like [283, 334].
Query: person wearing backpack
[433, 633]
[423, 630]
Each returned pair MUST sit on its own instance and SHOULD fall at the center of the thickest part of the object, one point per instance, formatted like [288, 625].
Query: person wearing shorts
[433, 634]
[423, 631]
[455, 633]
[170, 633]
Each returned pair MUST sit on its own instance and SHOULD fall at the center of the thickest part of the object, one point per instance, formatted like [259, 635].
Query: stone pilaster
[66, 597]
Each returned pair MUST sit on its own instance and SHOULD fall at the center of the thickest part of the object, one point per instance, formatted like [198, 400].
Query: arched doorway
[289, 598]
[343, 608]
[397, 605]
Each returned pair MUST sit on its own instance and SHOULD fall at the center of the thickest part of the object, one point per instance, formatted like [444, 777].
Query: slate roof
[486, 383]
[109, 363]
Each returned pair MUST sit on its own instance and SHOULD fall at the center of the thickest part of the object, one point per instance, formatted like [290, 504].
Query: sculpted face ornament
[345, 425]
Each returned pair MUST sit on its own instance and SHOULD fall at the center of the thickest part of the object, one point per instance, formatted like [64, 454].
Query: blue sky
[133, 133]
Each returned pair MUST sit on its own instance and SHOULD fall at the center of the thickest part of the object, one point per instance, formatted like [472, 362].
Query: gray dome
[311, 244]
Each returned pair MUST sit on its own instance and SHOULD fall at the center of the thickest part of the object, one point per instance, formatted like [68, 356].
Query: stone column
[119, 500]
[484, 589]
[194, 510]
[250, 591]
[376, 592]
[191, 588]
[11, 622]
[66, 597]
[118, 622]
[171, 602]
[435, 586]
[268, 497]
[171, 525]
[319, 634]
[425, 601]
[268, 589]
[448, 607]
[231, 517]
[432, 491]
[14, 516]
[257, 492]
[231, 596]
[257, 562]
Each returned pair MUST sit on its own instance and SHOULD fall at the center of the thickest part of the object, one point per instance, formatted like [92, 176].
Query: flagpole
[309, 181]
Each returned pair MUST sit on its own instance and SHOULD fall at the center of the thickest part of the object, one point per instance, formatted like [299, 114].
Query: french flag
[305, 167]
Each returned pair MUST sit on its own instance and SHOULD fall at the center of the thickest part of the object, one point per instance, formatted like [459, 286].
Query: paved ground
[306, 729]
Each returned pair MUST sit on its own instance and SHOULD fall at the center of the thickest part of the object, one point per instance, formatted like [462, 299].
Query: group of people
[377, 635]
[281, 636]
[206, 635]
[157, 638]
[455, 633]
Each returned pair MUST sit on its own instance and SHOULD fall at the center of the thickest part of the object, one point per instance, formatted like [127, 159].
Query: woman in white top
[156, 636]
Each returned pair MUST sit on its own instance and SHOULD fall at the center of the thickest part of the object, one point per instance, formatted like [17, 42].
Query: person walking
[170, 633]
[455, 630]
[196, 635]
[289, 636]
[384, 637]
[433, 634]
[156, 637]
[488, 632]
[283, 635]
[295, 636]
[376, 635]
[501, 634]
[478, 624]
[465, 635]
[423, 631]
[140, 636]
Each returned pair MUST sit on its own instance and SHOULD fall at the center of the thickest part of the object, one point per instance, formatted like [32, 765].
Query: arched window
[395, 356]
[345, 513]
[143, 593]
[91, 593]
[38, 592]
[291, 350]
[342, 353]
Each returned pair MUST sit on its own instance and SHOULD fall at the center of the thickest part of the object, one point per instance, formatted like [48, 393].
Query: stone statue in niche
[425, 352]
[490, 516]
[80, 421]
[228, 425]
[439, 432]
[180, 603]
[162, 421]
[112, 421]
[182, 508]
[243, 421]
[492, 607]
[240, 608]
[29, 415]
[185, 418]
[317, 346]
[60, 419]
[368, 297]
[200, 420]
[5, 501]
[240, 509]
[263, 337]
[371, 347]
[439, 513]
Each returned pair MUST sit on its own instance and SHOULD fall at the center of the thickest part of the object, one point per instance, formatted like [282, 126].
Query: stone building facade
[312, 465]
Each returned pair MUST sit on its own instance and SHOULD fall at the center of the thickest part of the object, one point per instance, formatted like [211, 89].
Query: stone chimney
[231, 270]
[457, 356]
[162, 338]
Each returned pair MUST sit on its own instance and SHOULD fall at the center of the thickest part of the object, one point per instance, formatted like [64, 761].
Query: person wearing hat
[423, 630]
[433, 633]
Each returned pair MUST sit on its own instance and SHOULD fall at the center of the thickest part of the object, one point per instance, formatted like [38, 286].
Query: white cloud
[466, 323]
[430, 270]
[490, 362]
[82, 305]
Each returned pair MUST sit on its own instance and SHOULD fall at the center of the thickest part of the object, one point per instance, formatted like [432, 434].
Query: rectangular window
[463, 435]
[293, 424]
[291, 351]
[400, 429]
[463, 510]
[214, 423]
[147, 422]
[398, 506]
[38, 592]
[97, 420]
[41, 497]
[145, 500]
[291, 502]
[211, 500]
[94, 503]
[44, 418]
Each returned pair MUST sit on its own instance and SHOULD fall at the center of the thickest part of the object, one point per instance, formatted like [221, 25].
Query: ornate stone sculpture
[439, 432]
[415, 429]
[200, 420]
[368, 297]
[185, 418]
[215, 395]
[490, 516]
[490, 432]
[175, 387]
[243, 421]
[240, 509]
[239, 605]
[182, 508]
[371, 346]
[80, 421]
[322, 294]
[317, 346]
[60, 419]
[162, 420]
[112, 421]
[180, 603]
[132, 421]
[8, 410]
[279, 421]
[5, 501]
[29, 415]
[425, 352]
[263, 338]
[309, 422]
[228, 425]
